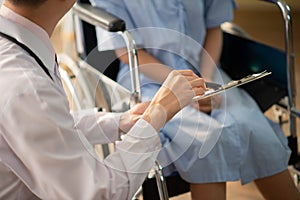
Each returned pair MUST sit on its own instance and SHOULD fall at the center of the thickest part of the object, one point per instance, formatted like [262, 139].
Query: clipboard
[214, 88]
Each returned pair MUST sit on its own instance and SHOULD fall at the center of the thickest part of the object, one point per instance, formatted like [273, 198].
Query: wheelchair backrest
[243, 56]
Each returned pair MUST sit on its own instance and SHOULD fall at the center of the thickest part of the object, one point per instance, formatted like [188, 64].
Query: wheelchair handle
[99, 17]
[271, 1]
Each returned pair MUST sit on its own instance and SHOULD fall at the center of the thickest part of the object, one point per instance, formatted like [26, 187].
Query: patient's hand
[129, 118]
[208, 104]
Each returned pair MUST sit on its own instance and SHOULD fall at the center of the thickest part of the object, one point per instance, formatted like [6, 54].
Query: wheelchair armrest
[99, 17]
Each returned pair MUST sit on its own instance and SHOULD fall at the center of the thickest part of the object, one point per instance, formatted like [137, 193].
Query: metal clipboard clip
[215, 88]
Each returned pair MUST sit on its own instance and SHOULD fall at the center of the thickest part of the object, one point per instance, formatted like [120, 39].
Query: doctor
[44, 153]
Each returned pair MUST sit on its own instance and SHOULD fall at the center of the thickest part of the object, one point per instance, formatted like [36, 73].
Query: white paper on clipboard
[215, 88]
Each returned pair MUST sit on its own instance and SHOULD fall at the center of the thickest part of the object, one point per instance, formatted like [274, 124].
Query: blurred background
[263, 22]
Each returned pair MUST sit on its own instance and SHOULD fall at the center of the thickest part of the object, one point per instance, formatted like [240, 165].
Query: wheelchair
[91, 85]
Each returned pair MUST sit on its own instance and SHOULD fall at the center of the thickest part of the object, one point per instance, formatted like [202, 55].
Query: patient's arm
[148, 65]
[208, 61]
[210, 57]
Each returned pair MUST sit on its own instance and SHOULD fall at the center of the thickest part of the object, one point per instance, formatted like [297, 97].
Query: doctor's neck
[44, 13]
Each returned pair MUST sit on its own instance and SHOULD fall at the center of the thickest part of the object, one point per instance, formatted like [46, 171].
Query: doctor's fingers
[186, 72]
[198, 86]
[198, 91]
[198, 83]
[195, 82]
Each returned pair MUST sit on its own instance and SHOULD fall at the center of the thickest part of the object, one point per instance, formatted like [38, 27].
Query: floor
[263, 22]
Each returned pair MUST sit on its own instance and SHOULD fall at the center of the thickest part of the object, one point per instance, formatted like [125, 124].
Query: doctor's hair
[30, 3]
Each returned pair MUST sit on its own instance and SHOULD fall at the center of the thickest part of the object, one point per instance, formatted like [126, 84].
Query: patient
[225, 138]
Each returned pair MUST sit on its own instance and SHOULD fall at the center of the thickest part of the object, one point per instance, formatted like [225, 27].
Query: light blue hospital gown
[235, 141]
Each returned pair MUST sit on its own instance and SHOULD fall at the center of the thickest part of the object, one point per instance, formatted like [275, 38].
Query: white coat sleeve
[56, 161]
[98, 127]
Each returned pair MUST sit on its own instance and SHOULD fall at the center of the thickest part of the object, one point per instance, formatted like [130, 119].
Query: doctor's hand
[129, 118]
[176, 92]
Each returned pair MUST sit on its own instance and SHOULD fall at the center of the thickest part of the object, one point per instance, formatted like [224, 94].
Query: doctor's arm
[56, 159]
[99, 127]
[105, 127]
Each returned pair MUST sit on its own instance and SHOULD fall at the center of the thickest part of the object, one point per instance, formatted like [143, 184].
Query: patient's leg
[279, 186]
[208, 191]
